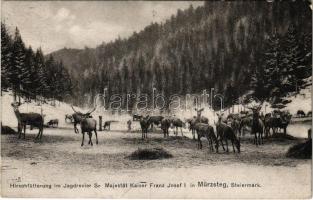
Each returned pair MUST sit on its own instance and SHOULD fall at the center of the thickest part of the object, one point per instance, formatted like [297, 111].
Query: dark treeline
[225, 45]
[285, 66]
[27, 73]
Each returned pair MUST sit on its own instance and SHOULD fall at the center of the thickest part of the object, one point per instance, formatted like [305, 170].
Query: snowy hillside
[50, 112]
[301, 101]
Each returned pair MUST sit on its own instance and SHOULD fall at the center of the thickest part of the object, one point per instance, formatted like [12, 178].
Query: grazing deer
[78, 116]
[145, 123]
[225, 133]
[107, 124]
[69, 117]
[155, 120]
[207, 131]
[33, 119]
[87, 124]
[281, 121]
[53, 123]
[257, 126]
[178, 123]
[300, 113]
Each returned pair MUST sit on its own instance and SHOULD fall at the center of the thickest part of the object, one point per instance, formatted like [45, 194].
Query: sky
[53, 25]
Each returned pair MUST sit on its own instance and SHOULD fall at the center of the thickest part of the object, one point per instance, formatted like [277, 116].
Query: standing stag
[33, 119]
[257, 126]
[78, 116]
[87, 124]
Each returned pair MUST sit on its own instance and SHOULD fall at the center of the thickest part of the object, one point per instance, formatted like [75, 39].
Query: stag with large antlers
[257, 126]
[33, 119]
[87, 124]
[78, 116]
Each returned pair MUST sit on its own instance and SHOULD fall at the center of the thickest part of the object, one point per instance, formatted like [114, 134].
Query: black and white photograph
[156, 99]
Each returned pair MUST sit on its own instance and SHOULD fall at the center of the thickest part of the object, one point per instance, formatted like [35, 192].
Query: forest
[28, 73]
[234, 47]
[231, 46]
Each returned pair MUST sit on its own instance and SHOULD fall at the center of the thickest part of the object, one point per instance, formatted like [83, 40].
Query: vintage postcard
[156, 99]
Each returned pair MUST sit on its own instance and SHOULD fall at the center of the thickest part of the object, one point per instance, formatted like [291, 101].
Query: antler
[15, 104]
[91, 111]
[74, 109]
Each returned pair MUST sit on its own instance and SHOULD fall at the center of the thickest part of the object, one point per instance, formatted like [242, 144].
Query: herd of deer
[228, 129]
[198, 124]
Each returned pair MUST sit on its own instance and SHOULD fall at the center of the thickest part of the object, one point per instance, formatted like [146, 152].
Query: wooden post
[100, 123]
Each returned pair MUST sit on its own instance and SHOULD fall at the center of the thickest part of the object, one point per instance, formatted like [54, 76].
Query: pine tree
[41, 81]
[19, 74]
[31, 72]
[292, 61]
[272, 66]
[6, 56]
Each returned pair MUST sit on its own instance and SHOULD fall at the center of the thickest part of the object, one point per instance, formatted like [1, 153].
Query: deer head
[199, 111]
[255, 109]
[15, 106]
[219, 116]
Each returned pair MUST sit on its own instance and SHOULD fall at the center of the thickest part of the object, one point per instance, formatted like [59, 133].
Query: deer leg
[96, 134]
[222, 144]
[24, 131]
[41, 130]
[193, 134]
[83, 138]
[19, 130]
[75, 128]
[90, 135]
[181, 132]
[199, 143]
[226, 146]
[232, 142]
[38, 135]
[255, 139]
[211, 144]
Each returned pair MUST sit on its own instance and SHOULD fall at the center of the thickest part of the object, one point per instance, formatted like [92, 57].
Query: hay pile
[150, 154]
[6, 130]
[301, 151]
